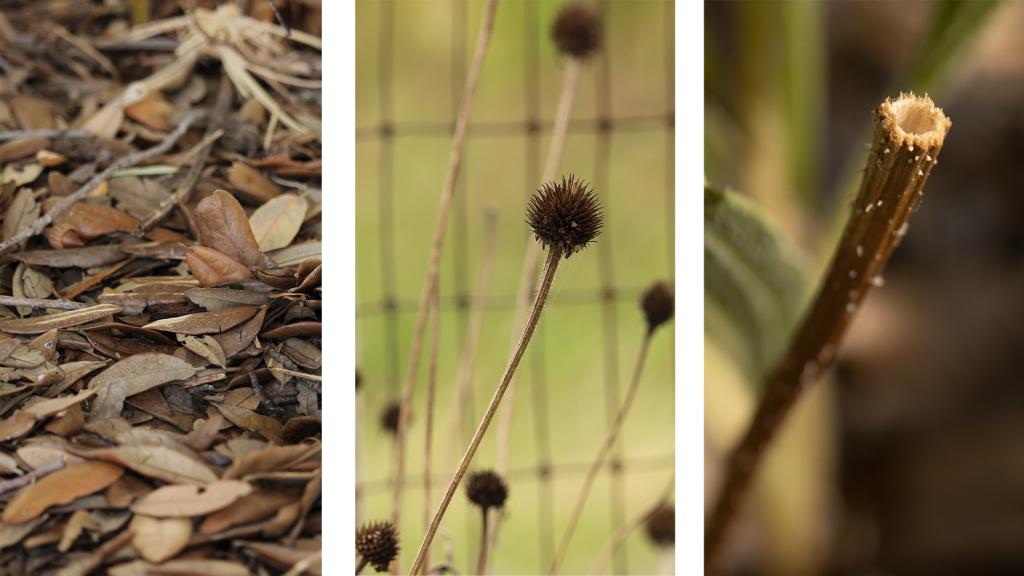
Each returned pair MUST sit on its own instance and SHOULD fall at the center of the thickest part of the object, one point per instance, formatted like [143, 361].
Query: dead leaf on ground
[60, 487]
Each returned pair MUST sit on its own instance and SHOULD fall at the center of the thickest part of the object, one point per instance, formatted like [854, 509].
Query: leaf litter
[160, 259]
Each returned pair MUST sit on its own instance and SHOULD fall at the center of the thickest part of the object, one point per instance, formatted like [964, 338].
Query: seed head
[565, 215]
[389, 417]
[661, 526]
[658, 303]
[486, 489]
[578, 30]
[377, 543]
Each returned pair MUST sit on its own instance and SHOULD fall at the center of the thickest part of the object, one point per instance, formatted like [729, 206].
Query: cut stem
[554, 256]
[909, 133]
[430, 285]
[602, 455]
[435, 337]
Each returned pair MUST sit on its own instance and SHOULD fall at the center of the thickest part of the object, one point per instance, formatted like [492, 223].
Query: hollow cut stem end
[914, 121]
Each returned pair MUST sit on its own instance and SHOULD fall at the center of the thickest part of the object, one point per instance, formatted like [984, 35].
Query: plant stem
[602, 454]
[430, 285]
[362, 564]
[481, 563]
[628, 528]
[909, 134]
[429, 433]
[554, 256]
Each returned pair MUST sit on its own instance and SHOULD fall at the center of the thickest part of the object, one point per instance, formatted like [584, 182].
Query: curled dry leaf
[185, 500]
[20, 214]
[276, 223]
[131, 376]
[60, 487]
[214, 268]
[90, 221]
[158, 539]
[40, 324]
[223, 225]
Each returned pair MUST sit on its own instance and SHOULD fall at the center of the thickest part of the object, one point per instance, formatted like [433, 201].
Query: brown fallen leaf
[199, 568]
[223, 225]
[204, 322]
[268, 458]
[131, 376]
[262, 503]
[88, 257]
[22, 148]
[159, 462]
[214, 268]
[268, 427]
[251, 183]
[153, 112]
[90, 221]
[157, 540]
[61, 487]
[185, 500]
[21, 213]
[40, 324]
[275, 223]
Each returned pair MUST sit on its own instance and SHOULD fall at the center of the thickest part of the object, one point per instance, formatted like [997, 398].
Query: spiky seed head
[658, 304]
[565, 215]
[578, 30]
[377, 542]
[661, 526]
[486, 489]
[389, 417]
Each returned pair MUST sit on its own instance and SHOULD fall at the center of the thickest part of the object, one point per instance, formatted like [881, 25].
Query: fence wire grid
[622, 126]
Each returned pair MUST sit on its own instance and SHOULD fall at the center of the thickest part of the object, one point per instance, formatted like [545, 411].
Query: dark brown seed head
[377, 543]
[578, 30]
[661, 526]
[389, 417]
[658, 303]
[565, 215]
[486, 489]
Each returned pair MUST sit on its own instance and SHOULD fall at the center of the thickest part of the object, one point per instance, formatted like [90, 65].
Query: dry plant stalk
[565, 217]
[658, 306]
[909, 133]
[625, 530]
[433, 265]
[435, 337]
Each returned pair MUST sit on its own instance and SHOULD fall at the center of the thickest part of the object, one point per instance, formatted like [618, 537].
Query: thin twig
[435, 337]
[51, 134]
[130, 160]
[15, 483]
[602, 455]
[430, 284]
[41, 303]
[626, 530]
[481, 562]
[202, 152]
[554, 256]
[909, 133]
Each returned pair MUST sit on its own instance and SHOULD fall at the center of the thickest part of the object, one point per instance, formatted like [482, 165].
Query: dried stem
[126, 162]
[15, 483]
[435, 337]
[52, 134]
[560, 128]
[430, 285]
[909, 133]
[602, 454]
[362, 564]
[41, 303]
[467, 356]
[554, 256]
[627, 529]
[481, 563]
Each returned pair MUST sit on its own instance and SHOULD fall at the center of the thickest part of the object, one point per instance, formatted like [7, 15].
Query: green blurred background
[411, 58]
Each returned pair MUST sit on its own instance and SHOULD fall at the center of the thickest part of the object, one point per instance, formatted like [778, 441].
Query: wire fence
[531, 129]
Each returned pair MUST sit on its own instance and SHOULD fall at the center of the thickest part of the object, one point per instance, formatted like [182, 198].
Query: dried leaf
[21, 213]
[237, 339]
[268, 427]
[154, 112]
[30, 283]
[203, 322]
[88, 257]
[157, 540]
[47, 408]
[40, 324]
[199, 568]
[262, 503]
[159, 462]
[223, 225]
[91, 221]
[184, 501]
[60, 487]
[251, 183]
[207, 347]
[214, 268]
[214, 299]
[131, 376]
[22, 148]
[276, 222]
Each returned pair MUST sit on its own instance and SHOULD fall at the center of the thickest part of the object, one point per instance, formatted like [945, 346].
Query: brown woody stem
[909, 133]
[554, 256]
